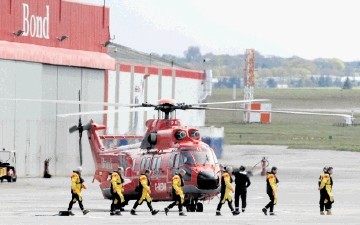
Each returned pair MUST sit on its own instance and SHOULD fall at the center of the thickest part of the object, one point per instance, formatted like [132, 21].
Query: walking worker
[144, 193]
[322, 195]
[226, 187]
[177, 192]
[116, 188]
[325, 188]
[271, 190]
[77, 185]
[242, 182]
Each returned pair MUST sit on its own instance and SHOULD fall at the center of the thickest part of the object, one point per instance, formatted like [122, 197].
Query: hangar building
[56, 49]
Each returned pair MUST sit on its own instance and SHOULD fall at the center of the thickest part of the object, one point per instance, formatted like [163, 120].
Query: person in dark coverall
[144, 193]
[242, 182]
[326, 187]
[226, 188]
[271, 190]
[177, 192]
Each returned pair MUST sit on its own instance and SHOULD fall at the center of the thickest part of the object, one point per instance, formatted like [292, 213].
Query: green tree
[193, 54]
[347, 84]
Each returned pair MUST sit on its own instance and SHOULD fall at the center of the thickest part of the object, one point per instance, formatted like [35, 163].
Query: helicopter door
[158, 177]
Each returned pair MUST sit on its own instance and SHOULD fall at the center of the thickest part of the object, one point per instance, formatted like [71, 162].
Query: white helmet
[79, 169]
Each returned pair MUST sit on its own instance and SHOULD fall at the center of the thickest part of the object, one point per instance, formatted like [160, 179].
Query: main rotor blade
[73, 129]
[282, 111]
[106, 111]
[231, 102]
[69, 102]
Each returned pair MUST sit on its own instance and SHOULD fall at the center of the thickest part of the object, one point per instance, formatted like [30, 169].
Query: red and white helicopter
[166, 147]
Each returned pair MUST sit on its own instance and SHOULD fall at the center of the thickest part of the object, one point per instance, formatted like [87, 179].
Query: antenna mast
[249, 81]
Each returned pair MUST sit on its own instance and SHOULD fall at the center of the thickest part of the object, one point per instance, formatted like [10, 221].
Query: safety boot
[322, 213]
[118, 213]
[132, 212]
[154, 212]
[218, 213]
[85, 211]
[166, 211]
[182, 214]
[264, 211]
[243, 209]
[112, 213]
[71, 213]
[329, 212]
[235, 213]
[272, 214]
[122, 209]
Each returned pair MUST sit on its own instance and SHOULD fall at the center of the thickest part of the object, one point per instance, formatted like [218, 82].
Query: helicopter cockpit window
[154, 161]
[133, 165]
[158, 164]
[147, 164]
[142, 164]
[204, 157]
[187, 158]
[176, 161]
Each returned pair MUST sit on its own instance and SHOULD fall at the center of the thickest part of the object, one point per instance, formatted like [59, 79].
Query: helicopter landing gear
[193, 205]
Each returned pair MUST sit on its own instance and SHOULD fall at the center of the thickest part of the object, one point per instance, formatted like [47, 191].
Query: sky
[306, 28]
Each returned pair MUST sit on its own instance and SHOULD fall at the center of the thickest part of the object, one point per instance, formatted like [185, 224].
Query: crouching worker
[177, 192]
[226, 187]
[116, 188]
[77, 184]
[144, 193]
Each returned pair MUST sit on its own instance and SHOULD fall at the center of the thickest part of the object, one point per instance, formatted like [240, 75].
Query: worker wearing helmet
[326, 189]
[177, 192]
[322, 193]
[242, 182]
[144, 193]
[116, 188]
[226, 187]
[271, 190]
[77, 184]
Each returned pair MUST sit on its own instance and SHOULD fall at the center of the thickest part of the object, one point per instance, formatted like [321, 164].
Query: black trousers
[75, 197]
[220, 203]
[114, 206]
[240, 193]
[271, 203]
[324, 196]
[177, 201]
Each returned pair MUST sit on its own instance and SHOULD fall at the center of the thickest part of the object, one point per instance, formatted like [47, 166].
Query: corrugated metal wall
[131, 86]
[33, 129]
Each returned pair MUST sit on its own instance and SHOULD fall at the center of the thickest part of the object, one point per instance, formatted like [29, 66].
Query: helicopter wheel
[191, 206]
[199, 207]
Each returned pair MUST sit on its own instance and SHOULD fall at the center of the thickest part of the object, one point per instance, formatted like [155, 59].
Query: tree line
[270, 71]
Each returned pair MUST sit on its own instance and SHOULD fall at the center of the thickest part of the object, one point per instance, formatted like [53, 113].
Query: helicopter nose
[207, 180]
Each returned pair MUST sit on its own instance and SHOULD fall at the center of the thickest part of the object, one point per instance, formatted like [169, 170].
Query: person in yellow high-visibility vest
[144, 194]
[326, 189]
[271, 190]
[116, 191]
[226, 188]
[322, 194]
[77, 184]
[177, 192]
